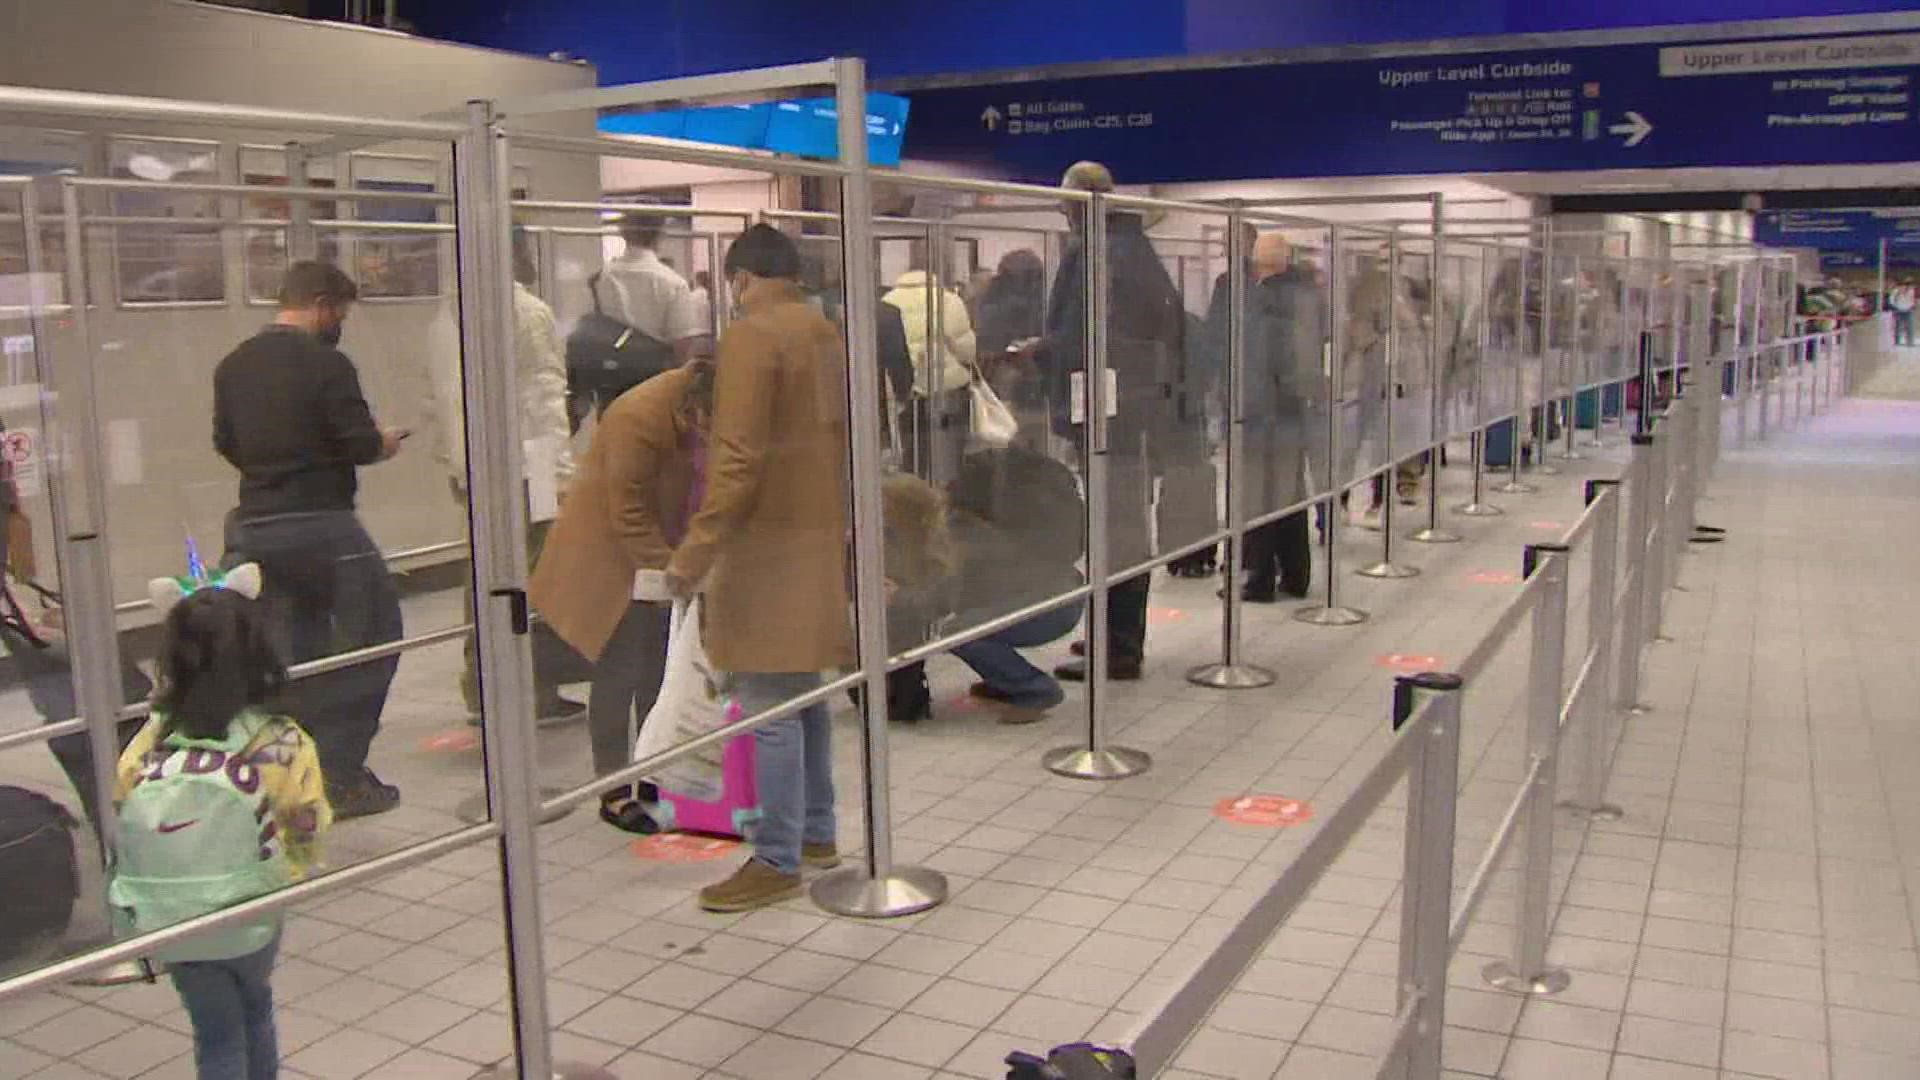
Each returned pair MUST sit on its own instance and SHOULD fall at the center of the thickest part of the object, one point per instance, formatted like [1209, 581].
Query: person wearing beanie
[1146, 342]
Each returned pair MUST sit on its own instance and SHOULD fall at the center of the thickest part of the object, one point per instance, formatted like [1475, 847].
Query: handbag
[994, 425]
[606, 357]
[693, 701]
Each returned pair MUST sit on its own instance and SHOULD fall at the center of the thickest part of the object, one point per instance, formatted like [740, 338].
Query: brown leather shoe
[753, 886]
[820, 856]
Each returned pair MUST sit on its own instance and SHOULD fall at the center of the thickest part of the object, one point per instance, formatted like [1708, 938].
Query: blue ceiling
[632, 40]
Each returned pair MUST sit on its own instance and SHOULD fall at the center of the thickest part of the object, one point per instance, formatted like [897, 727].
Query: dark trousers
[554, 661]
[1127, 620]
[327, 591]
[626, 682]
[1279, 555]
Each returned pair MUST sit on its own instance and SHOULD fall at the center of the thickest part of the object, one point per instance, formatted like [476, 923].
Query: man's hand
[390, 440]
[680, 588]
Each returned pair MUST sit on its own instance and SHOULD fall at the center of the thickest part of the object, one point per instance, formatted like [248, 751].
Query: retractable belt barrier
[1585, 698]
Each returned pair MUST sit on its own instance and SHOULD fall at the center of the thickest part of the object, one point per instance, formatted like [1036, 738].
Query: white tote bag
[994, 424]
[693, 701]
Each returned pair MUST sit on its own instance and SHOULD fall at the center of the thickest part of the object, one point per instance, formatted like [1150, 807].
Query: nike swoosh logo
[174, 827]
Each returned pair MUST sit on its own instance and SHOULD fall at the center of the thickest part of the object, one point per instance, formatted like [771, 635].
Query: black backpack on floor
[37, 861]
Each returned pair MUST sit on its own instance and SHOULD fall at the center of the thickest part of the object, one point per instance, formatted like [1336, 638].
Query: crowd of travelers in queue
[723, 475]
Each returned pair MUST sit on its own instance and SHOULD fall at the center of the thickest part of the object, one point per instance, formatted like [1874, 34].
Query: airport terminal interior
[824, 558]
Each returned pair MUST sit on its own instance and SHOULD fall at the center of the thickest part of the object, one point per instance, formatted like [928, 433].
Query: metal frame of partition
[1568, 698]
[1668, 470]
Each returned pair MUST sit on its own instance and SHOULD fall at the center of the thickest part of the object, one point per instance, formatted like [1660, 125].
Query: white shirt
[646, 294]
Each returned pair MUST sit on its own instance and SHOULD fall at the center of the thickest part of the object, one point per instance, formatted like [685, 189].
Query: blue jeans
[231, 1005]
[996, 658]
[793, 768]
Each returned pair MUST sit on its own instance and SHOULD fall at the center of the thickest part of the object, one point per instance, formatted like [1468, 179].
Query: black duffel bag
[607, 358]
[37, 860]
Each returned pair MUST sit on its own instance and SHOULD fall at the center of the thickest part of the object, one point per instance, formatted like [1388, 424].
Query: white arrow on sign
[991, 118]
[1636, 129]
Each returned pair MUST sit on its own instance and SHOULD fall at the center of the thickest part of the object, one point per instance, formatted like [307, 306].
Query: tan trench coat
[635, 479]
[770, 539]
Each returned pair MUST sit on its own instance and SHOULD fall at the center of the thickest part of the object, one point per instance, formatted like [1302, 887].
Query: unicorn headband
[165, 592]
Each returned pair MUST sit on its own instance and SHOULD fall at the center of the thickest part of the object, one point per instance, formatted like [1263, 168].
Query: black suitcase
[37, 861]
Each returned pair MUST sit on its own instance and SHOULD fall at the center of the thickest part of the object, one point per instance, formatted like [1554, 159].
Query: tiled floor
[1751, 916]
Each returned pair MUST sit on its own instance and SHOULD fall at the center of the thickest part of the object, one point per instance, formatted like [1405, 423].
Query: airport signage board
[1841, 230]
[1781, 101]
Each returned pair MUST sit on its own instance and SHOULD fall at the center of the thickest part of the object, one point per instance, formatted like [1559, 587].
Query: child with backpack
[220, 801]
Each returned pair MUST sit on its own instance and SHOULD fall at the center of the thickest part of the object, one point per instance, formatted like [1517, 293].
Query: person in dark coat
[1013, 306]
[1146, 332]
[1285, 328]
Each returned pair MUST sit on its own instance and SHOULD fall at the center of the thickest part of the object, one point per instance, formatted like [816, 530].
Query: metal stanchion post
[1658, 565]
[1478, 506]
[1595, 715]
[1432, 533]
[1096, 760]
[498, 525]
[1331, 613]
[1527, 972]
[1386, 568]
[1540, 420]
[874, 888]
[1572, 367]
[1633, 628]
[1427, 901]
[1233, 672]
[1522, 415]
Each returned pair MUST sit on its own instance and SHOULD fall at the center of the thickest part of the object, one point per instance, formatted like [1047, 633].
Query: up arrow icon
[1636, 129]
[991, 118]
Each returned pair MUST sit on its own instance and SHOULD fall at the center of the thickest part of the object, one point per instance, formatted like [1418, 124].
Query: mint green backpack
[196, 835]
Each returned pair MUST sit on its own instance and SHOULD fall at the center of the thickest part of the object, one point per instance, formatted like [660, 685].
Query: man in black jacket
[289, 415]
[1146, 333]
[1285, 330]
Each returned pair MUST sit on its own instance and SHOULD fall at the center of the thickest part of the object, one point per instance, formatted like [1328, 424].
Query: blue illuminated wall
[633, 40]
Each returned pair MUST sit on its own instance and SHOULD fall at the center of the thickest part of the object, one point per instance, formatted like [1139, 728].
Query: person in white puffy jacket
[941, 343]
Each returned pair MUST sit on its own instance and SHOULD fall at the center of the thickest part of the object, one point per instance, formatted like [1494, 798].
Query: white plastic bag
[994, 424]
[693, 701]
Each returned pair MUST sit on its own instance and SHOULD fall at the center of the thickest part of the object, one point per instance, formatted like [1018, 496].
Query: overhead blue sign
[806, 128]
[1840, 230]
[1786, 101]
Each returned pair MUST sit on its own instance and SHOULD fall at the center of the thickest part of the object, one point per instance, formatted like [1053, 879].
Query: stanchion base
[1478, 509]
[1080, 763]
[1572, 455]
[1230, 676]
[1434, 536]
[1501, 976]
[906, 891]
[124, 973]
[1330, 616]
[1518, 487]
[1390, 571]
[1602, 812]
[473, 808]
[1546, 468]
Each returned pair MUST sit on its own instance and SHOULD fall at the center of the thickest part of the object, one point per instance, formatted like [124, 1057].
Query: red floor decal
[1547, 526]
[682, 848]
[1408, 662]
[1165, 615]
[1266, 811]
[455, 741]
[1493, 577]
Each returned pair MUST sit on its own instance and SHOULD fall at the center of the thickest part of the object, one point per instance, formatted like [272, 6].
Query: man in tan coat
[768, 548]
